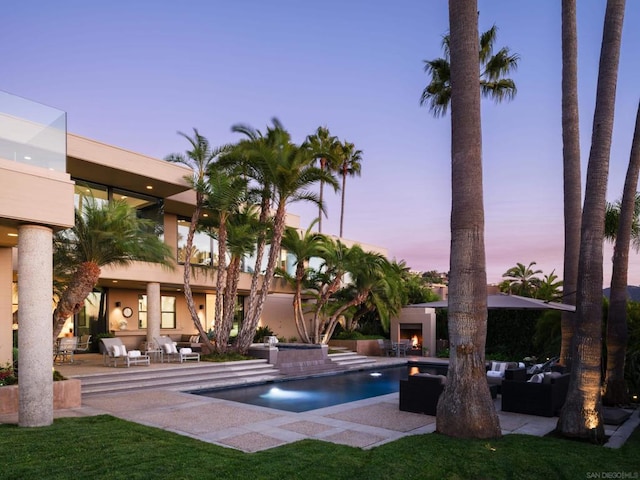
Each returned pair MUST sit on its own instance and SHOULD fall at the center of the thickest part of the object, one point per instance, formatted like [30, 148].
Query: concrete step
[191, 377]
[350, 360]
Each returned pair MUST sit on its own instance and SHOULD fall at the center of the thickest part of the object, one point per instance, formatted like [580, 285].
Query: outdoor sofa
[543, 394]
[190, 341]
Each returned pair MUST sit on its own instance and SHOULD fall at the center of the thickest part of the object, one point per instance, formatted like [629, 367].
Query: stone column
[153, 311]
[35, 281]
[6, 318]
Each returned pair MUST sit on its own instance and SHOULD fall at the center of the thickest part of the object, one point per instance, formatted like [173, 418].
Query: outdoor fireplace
[413, 332]
[417, 325]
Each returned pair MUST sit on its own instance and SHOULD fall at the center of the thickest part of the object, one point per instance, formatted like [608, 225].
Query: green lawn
[105, 447]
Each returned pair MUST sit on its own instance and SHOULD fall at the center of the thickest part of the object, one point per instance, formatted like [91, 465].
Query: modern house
[46, 172]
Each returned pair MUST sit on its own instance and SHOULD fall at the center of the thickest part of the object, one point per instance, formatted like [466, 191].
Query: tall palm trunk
[85, 277]
[221, 281]
[615, 388]
[298, 311]
[188, 295]
[335, 316]
[465, 408]
[318, 321]
[257, 274]
[571, 172]
[323, 166]
[344, 185]
[229, 305]
[581, 415]
[245, 336]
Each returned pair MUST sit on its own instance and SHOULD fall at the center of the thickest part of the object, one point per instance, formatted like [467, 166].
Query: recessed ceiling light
[114, 281]
[205, 214]
[12, 234]
[149, 187]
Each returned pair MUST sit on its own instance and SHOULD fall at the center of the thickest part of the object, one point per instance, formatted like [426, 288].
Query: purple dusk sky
[132, 73]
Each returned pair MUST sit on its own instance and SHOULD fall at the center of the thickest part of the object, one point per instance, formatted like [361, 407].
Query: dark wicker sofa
[420, 392]
[190, 341]
[544, 399]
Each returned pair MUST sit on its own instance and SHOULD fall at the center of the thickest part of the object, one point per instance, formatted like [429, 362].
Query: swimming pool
[317, 392]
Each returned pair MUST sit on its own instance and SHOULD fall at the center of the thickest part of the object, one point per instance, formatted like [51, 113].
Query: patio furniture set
[394, 349]
[66, 347]
[115, 352]
[541, 394]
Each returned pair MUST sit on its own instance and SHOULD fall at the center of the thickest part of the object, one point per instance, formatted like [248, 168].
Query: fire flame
[414, 341]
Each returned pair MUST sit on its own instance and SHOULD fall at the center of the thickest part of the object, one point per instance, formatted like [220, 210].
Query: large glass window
[167, 311]
[85, 190]
[203, 245]
[148, 207]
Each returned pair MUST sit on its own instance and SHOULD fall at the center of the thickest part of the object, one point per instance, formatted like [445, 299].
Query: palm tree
[285, 171]
[350, 165]
[549, 288]
[615, 388]
[225, 195]
[387, 295]
[492, 82]
[581, 415]
[571, 172]
[326, 282]
[323, 143]
[243, 229]
[522, 280]
[465, 408]
[303, 246]
[371, 278]
[104, 234]
[612, 220]
[198, 159]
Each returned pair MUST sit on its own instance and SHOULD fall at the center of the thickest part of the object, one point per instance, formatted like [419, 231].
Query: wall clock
[127, 312]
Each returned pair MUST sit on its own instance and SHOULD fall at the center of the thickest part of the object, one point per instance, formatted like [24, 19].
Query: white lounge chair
[168, 348]
[115, 352]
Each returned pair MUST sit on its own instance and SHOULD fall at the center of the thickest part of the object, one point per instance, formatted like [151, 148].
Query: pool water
[317, 392]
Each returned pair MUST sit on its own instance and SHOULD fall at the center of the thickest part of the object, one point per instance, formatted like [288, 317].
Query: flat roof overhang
[108, 165]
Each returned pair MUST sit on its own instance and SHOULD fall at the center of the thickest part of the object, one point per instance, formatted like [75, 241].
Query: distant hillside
[634, 292]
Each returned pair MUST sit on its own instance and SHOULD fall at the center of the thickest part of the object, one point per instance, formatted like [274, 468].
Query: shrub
[262, 332]
[347, 335]
[7, 376]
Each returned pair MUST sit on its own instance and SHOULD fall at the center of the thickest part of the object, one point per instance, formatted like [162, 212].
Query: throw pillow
[537, 378]
[498, 367]
[185, 350]
[194, 339]
[119, 350]
[168, 347]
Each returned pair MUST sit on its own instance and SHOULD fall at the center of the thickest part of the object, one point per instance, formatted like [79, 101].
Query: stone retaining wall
[66, 394]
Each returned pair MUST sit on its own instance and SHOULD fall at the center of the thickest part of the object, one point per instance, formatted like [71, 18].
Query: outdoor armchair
[420, 393]
[83, 344]
[64, 349]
